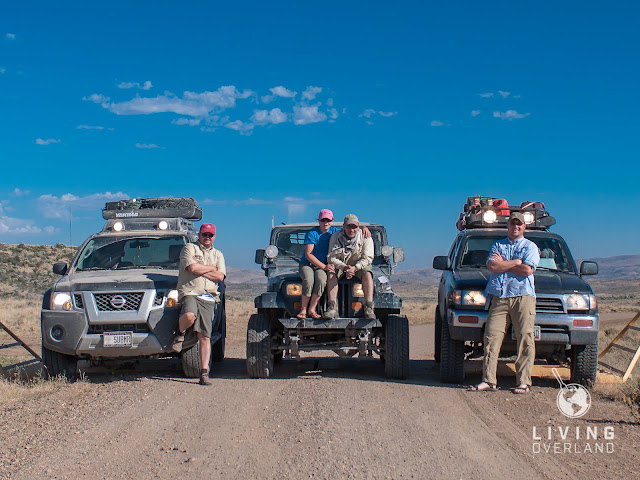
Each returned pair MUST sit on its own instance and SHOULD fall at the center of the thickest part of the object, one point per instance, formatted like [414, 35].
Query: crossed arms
[497, 264]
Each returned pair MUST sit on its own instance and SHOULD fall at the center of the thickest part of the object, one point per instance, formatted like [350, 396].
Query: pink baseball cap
[325, 213]
[208, 228]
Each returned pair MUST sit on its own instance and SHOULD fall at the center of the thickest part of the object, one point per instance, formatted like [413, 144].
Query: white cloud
[370, 112]
[19, 193]
[311, 92]
[333, 114]
[191, 104]
[510, 115]
[281, 91]
[10, 36]
[504, 94]
[126, 85]
[303, 115]
[367, 113]
[262, 117]
[192, 122]
[475, 113]
[96, 98]
[11, 225]
[51, 206]
[147, 145]
[48, 141]
[240, 126]
[89, 127]
[485, 95]
[436, 123]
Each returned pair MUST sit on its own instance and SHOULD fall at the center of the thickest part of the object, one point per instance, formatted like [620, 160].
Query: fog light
[57, 332]
[356, 306]
[118, 227]
[528, 217]
[163, 225]
[489, 216]
[294, 289]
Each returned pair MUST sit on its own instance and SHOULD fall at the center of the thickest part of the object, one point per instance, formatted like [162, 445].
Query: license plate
[117, 339]
[536, 333]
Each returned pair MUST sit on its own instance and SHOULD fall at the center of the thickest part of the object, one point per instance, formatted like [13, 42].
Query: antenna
[70, 227]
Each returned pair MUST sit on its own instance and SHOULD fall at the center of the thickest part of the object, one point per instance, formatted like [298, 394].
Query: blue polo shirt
[509, 284]
[321, 243]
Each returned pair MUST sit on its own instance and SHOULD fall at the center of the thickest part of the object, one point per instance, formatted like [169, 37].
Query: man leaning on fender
[201, 268]
[511, 291]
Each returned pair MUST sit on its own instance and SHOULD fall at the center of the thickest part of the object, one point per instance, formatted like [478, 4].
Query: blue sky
[395, 112]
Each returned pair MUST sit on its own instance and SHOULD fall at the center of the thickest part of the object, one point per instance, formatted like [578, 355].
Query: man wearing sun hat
[512, 294]
[201, 268]
[351, 253]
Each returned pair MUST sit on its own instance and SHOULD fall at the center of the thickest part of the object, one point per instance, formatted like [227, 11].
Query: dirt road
[321, 418]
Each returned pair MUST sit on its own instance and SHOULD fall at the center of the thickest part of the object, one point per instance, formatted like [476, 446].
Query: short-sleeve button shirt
[190, 284]
[509, 284]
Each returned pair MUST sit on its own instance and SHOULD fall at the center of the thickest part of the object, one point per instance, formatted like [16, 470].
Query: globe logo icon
[573, 400]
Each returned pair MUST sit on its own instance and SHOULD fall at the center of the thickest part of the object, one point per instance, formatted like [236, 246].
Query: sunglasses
[326, 220]
[208, 235]
[353, 227]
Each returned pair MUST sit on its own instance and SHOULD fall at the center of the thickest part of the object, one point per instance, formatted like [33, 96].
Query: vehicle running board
[329, 323]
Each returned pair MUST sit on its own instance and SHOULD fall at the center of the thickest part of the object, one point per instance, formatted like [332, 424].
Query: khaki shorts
[204, 312]
[358, 274]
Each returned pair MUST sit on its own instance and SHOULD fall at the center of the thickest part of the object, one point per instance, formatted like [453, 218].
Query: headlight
[578, 301]
[386, 251]
[60, 301]
[357, 290]
[489, 216]
[528, 218]
[271, 251]
[294, 289]
[172, 298]
[468, 297]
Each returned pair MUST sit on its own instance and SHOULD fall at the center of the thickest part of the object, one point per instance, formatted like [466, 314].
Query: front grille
[77, 297]
[108, 302]
[549, 305]
[159, 298]
[119, 327]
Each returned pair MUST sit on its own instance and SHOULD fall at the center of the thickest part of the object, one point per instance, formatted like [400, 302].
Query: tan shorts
[203, 311]
[358, 274]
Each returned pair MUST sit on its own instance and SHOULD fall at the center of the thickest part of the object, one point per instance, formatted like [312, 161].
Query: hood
[545, 281]
[160, 279]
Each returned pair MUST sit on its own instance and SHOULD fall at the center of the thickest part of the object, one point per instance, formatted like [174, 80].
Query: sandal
[302, 315]
[315, 315]
[490, 387]
[522, 389]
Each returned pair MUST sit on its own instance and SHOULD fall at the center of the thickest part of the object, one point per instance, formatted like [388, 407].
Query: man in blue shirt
[511, 292]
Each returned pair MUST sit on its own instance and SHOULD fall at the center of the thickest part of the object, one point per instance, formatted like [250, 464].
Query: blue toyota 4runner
[566, 323]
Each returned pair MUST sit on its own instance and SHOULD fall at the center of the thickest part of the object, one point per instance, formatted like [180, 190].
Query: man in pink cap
[201, 268]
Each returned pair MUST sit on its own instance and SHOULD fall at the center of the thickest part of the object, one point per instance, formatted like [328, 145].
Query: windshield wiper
[91, 268]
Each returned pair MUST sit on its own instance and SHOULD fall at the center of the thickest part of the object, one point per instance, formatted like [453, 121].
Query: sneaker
[176, 344]
[204, 380]
[331, 311]
[369, 314]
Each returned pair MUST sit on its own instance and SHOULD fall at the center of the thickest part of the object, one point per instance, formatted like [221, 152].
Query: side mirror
[260, 256]
[398, 255]
[588, 268]
[441, 262]
[59, 268]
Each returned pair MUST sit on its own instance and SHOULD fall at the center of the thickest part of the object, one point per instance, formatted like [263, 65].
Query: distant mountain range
[623, 267]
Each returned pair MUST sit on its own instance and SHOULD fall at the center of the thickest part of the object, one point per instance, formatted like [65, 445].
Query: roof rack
[490, 212]
[166, 207]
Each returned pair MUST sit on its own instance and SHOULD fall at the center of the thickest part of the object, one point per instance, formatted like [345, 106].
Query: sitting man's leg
[332, 296]
[366, 277]
[186, 320]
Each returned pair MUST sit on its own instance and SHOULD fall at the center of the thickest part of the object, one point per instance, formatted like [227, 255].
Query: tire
[396, 363]
[260, 359]
[437, 338]
[58, 364]
[190, 360]
[451, 357]
[584, 364]
[217, 349]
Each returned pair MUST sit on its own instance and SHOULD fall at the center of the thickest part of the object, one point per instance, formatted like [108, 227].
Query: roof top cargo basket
[489, 212]
[168, 207]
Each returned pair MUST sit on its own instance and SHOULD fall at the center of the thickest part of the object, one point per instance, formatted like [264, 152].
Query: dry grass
[18, 388]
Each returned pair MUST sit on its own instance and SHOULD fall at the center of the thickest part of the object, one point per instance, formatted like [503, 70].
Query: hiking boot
[369, 314]
[176, 344]
[204, 379]
[331, 311]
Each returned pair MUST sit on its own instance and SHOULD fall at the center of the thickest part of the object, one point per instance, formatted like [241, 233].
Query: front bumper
[78, 340]
[555, 328]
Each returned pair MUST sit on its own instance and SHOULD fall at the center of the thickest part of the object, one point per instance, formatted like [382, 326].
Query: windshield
[554, 254]
[117, 253]
[290, 242]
